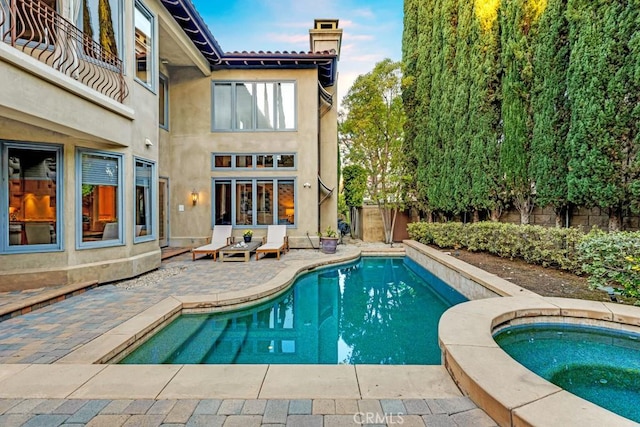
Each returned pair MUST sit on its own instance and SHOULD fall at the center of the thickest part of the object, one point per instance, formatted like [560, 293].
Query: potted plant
[247, 235]
[328, 241]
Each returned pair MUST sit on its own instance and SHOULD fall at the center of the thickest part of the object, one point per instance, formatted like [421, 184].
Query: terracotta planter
[328, 245]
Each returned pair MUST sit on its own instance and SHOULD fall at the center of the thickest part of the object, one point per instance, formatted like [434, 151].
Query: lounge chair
[220, 238]
[276, 241]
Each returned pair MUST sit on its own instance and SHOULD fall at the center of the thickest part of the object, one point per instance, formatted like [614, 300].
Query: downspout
[319, 142]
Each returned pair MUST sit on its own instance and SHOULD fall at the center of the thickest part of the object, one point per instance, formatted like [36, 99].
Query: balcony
[40, 32]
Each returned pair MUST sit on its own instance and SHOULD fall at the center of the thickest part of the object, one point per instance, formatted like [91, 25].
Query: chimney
[325, 35]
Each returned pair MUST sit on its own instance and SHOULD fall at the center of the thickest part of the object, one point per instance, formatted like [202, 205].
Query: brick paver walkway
[47, 334]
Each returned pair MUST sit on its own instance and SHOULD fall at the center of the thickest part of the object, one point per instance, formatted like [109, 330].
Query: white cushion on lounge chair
[277, 241]
[220, 238]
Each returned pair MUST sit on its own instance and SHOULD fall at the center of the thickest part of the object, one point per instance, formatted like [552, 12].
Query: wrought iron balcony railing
[40, 32]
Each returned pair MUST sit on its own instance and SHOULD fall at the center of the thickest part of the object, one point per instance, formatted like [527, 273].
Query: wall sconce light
[194, 197]
[306, 185]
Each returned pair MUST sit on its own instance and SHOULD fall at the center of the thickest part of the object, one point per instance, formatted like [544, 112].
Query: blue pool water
[600, 365]
[375, 311]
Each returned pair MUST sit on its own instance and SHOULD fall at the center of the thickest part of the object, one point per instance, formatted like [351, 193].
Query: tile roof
[186, 15]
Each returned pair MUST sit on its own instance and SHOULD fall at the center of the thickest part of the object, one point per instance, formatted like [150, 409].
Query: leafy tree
[549, 155]
[604, 97]
[372, 130]
[355, 185]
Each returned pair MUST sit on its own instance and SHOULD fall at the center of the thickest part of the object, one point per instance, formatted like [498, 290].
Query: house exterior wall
[192, 143]
[40, 105]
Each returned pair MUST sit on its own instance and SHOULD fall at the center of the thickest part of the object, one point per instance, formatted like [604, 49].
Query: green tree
[518, 28]
[372, 131]
[418, 121]
[549, 154]
[487, 188]
[604, 90]
[354, 178]
[410, 53]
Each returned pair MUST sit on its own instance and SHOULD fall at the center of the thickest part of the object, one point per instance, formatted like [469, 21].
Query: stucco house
[125, 128]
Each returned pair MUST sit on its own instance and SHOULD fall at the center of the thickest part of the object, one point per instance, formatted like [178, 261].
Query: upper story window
[144, 36]
[33, 176]
[254, 161]
[100, 20]
[254, 106]
[163, 102]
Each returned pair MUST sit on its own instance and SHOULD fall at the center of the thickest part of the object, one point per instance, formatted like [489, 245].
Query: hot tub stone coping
[507, 391]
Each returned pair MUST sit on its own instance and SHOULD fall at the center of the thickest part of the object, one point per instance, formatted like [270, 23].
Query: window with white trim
[253, 106]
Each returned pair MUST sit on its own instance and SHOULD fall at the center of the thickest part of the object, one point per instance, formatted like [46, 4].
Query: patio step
[44, 298]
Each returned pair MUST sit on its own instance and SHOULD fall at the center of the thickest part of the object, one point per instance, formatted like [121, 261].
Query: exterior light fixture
[306, 185]
[194, 197]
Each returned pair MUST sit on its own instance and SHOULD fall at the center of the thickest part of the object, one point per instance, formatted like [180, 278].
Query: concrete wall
[470, 281]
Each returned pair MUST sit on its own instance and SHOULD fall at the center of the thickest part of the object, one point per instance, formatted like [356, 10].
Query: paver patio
[46, 335]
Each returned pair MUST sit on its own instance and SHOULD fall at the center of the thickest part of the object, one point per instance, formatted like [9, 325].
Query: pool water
[598, 364]
[379, 310]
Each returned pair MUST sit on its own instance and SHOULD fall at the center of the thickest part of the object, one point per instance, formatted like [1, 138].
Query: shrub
[612, 259]
[535, 244]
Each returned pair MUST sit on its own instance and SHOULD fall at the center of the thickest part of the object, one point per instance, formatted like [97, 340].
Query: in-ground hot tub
[509, 392]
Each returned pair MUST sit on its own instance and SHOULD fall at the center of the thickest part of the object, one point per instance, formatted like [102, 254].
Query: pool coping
[83, 374]
[507, 391]
[78, 376]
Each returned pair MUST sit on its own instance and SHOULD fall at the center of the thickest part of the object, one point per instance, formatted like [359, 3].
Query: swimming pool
[601, 365]
[378, 310]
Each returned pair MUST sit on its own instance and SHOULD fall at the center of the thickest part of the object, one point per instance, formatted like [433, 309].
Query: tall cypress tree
[518, 19]
[459, 175]
[549, 154]
[487, 187]
[604, 89]
[410, 51]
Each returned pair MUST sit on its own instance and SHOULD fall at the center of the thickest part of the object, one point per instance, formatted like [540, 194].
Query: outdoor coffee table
[233, 252]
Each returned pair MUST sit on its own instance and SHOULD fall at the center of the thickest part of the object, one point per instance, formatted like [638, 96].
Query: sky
[372, 29]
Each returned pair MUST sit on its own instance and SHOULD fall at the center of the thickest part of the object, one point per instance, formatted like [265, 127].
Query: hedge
[610, 259]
